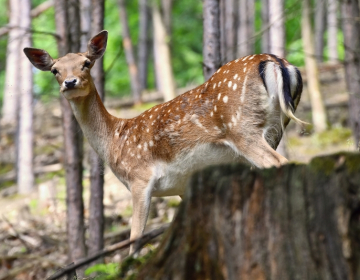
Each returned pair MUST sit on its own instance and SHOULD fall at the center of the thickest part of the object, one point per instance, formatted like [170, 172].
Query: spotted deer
[238, 115]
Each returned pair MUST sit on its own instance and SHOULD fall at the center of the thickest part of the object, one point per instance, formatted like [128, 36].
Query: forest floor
[32, 227]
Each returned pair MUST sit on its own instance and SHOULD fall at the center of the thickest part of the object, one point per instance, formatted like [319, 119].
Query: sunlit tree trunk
[211, 37]
[230, 29]
[332, 29]
[96, 205]
[276, 45]
[163, 67]
[166, 8]
[320, 11]
[129, 53]
[25, 172]
[67, 18]
[245, 40]
[277, 28]
[10, 98]
[143, 44]
[265, 36]
[318, 109]
[351, 29]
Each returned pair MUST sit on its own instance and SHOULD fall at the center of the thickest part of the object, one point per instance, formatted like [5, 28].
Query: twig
[17, 235]
[121, 245]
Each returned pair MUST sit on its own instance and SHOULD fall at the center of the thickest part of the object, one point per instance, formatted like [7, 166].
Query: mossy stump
[296, 222]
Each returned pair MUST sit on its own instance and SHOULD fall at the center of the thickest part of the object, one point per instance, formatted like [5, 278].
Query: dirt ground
[32, 228]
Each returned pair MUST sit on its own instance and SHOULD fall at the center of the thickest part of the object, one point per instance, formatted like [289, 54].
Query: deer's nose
[70, 83]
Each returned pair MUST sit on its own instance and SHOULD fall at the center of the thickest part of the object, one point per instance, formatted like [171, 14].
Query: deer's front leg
[141, 198]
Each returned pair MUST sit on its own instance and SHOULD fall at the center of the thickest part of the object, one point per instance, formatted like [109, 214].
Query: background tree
[245, 37]
[351, 29]
[162, 56]
[320, 27]
[318, 109]
[211, 36]
[143, 42]
[68, 27]
[265, 24]
[332, 29]
[25, 172]
[129, 53]
[96, 205]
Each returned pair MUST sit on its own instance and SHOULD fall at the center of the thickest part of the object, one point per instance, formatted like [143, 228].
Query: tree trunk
[230, 29]
[265, 22]
[351, 29]
[129, 53]
[85, 20]
[166, 9]
[68, 27]
[276, 45]
[96, 205]
[277, 28]
[25, 174]
[245, 40]
[143, 44]
[312, 74]
[295, 222]
[10, 107]
[222, 5]
[211, 43]
[332, 30]
[163, 67]
[320, 11]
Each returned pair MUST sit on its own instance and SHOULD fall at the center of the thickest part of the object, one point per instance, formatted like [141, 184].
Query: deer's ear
[39, 58]
[97, 45]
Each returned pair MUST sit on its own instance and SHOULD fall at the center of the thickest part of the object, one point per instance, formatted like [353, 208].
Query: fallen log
[295, 222]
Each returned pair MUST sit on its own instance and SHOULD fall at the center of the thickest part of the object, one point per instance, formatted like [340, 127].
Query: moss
[173, 203]
[144, 106]
[50, 175]
[6, 167]
[325, 165]
[333, 136]
[353, 163]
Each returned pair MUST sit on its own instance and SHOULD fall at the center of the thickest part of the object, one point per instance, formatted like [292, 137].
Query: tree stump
[296, 222]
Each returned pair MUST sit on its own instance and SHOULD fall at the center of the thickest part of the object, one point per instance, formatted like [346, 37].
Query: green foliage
[103, 271]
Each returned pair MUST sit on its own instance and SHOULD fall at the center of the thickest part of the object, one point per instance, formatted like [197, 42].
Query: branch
[38, 10]
[121, 245]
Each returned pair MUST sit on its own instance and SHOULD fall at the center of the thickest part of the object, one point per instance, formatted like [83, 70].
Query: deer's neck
[95, 121]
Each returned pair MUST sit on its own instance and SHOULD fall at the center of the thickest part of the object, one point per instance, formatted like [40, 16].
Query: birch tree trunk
[245, 40]
[129, 53]
[351, 29]
[277, 28]
[211, 36]
[25, 149]
[265, 22]
[96, 205]
[230, 29]
[67, 19]
[295, 222]
[332, 30]
[10, 107]
[318, 109]
[143, 44]
[163, 67]
[166, 8]
[320, 11]
[276, 46]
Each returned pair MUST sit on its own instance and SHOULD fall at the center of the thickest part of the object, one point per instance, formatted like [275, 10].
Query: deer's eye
[87, 64]
[54, 71]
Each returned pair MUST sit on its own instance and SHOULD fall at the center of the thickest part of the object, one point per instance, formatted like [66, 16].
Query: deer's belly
[171, 178]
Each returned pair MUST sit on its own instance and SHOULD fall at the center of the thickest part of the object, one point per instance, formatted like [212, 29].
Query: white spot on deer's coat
[214, 86]
[150, 117]
[242, 98]
[139, 146]
[219, 84]
[215, 108]
[244, 69]
[252, 57]
[236, 75]
[225, 99]
[219, 95]
[225, 80]
[211, 114]
[151, 143]
[235, 86]
[156, 109]
[230, 83]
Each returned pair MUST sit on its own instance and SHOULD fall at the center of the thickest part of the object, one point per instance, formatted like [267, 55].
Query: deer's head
[72, 71]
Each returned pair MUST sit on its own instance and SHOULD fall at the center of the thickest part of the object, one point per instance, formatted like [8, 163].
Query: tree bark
[211, 42]
[265, 21]
[332, 30]
[351, 29]
[10, 107]
[295, 222]
[85, 22]
[318, 109]
[25, 172]
[277, 28]
[230, 29]
[166, 9]
[67, 19]
[129, 53]
[245, 40]
[143, 44]
[163, 67]
[96, 204]
[320, 11]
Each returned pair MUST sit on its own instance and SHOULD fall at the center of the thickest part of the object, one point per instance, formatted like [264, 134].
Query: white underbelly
[171, 179]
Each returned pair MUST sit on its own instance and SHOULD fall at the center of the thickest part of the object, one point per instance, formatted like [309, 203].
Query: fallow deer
[237, 115]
